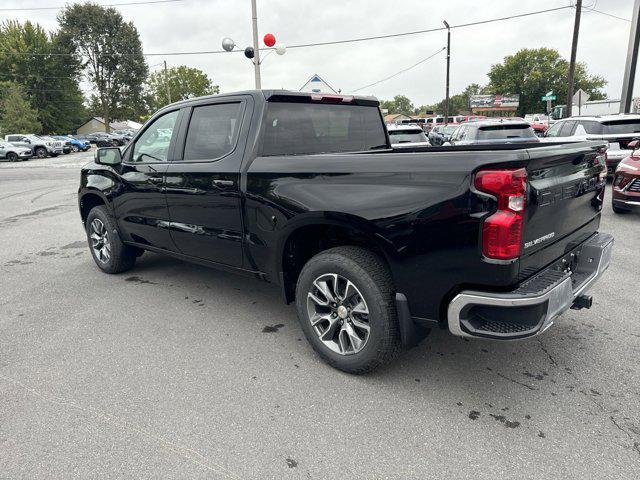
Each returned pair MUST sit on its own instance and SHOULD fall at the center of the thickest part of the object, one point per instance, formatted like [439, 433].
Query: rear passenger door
[202, 184]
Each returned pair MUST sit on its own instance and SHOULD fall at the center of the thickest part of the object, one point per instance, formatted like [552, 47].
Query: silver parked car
[14, 153]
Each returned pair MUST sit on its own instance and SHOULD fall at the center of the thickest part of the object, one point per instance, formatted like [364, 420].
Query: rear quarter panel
[416, 206]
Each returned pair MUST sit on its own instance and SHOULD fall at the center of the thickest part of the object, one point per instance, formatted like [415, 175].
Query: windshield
[407, 136]
[621, 126]
[449, 129]
[500, 132]
[308, 128]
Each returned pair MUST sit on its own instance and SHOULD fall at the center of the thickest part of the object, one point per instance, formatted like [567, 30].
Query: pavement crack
[182, 450]
[551, 359]
[513, 380]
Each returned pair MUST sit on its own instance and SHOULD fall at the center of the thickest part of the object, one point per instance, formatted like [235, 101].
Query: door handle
[155, 179]
[223, 183]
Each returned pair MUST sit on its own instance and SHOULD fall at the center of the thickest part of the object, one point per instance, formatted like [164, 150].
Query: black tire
[372, 279]
[121, 257]
[619, 210]
[54, 155]
[40, 152]
[12, 156]
[75, 148]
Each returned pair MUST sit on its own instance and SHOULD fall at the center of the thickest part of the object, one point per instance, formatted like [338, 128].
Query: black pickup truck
[376, 246]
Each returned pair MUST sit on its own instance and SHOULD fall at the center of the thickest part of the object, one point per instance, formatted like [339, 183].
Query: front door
[203, 183]
[140, 204]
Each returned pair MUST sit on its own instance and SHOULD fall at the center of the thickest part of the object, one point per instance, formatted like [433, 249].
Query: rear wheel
[107, 249]
[40, 152]
[344, 298]
[12, 157]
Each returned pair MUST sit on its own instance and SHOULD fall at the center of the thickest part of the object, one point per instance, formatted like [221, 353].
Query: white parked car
[14, 153]
[618, 130]
[407, 136]
[40, 145]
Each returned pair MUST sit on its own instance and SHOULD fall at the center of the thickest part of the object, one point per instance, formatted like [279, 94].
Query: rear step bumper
[534, 305]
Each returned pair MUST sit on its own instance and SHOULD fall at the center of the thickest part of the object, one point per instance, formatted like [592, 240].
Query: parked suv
[618, 130]
[492, 132]
[14, 153]
[41, 146]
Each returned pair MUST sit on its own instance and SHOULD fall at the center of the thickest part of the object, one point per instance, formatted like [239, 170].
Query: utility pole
[256, 48]
[632, 61]
[446, 98]
[166, 81]
[572, 61]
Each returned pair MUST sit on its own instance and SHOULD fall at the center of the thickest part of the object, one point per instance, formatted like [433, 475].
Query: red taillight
[324, 98]
[502, 231]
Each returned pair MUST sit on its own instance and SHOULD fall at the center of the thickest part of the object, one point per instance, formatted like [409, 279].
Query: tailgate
[566, 188]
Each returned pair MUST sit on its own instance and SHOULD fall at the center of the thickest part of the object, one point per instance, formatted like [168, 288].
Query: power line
[333, 42]
[106, 5]
[609, 15]
[400, 71]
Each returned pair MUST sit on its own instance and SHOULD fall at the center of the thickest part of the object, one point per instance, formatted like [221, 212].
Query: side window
[567, 128]
[153, 144]
[213, 131]
[554, 131]
[591, 127]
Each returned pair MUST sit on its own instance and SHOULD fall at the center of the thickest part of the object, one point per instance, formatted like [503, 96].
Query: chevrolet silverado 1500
[375, 245]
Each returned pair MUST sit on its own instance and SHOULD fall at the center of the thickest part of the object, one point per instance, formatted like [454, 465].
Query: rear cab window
[213, 131]
[293, 128]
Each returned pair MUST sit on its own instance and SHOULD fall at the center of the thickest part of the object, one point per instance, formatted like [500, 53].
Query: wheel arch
[89, 199]
[313, 233]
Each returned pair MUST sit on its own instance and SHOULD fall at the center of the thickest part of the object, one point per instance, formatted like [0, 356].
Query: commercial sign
[494, 102]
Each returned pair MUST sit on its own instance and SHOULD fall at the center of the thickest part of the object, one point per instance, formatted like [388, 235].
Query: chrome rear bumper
[534, 305]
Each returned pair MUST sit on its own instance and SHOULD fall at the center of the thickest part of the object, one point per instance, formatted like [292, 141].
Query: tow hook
[582, 301]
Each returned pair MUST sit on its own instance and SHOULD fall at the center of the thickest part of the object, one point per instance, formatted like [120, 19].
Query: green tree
[46, 71]
[112, 57]
[399, 104]
[16, 113]
[183, 82]
[533, 72]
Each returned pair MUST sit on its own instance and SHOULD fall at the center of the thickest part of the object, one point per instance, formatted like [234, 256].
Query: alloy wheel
[100, 242]
[338, 314]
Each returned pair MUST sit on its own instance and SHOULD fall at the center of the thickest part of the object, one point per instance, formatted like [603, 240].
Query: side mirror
[635, 144]
[108, 156]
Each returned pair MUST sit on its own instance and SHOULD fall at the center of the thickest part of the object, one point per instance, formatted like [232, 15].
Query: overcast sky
[201, 25]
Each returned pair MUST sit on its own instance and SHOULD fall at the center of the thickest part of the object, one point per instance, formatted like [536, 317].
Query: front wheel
[12, 157]
[344, 298]
[619, 210]
[107, 250]
[75, 148]
[41, 152]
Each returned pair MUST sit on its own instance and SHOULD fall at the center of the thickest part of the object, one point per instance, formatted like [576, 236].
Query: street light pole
[446, 98]
[256, 48]
[632, 61]
[572, 61]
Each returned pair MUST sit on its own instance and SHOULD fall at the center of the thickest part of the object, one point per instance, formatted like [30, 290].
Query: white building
[317, 85]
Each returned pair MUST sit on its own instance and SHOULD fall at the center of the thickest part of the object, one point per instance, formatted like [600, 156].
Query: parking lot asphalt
[173, 370]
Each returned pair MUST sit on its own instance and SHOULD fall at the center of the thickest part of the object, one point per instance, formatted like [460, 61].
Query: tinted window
[621, 126]
[14, 138]
[593, 128]
[213, 131]
[304, 128]
[554, 131]
[407, 136]
[153, 144]
[567, 128]
[499, 132]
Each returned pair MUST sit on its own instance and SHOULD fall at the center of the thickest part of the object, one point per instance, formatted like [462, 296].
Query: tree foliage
[111, 54]
[183, 82]
[16, 113]
[40, 63]
[399, 104]
[533, 72]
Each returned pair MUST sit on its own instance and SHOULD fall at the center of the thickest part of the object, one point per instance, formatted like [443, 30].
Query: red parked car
[626, 181]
